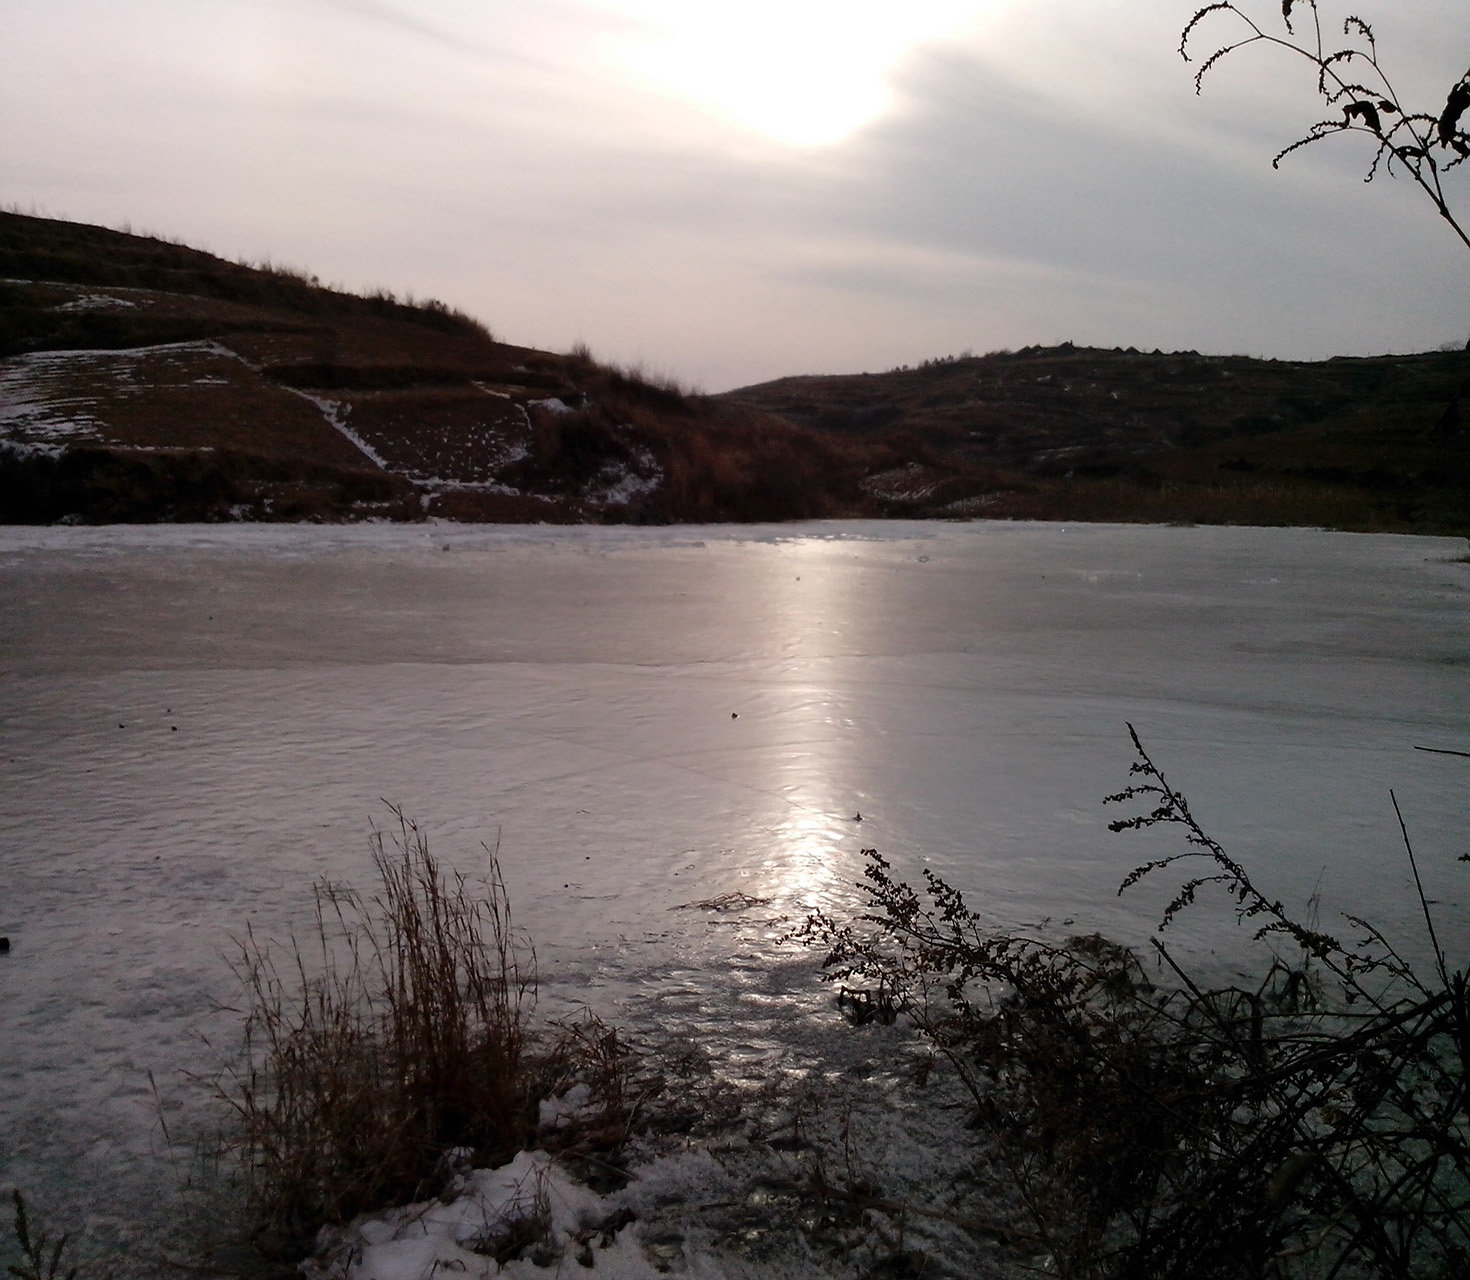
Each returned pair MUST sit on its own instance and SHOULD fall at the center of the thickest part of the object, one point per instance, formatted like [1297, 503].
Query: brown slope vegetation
[143, 380]
[1077, 433]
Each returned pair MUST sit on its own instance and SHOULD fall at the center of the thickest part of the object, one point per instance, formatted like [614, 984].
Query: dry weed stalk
[402, 1033]
[41, 1256]
[1353, 82]
[1314, 1125]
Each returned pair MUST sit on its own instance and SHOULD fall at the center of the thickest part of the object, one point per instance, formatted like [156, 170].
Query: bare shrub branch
[1312, 1124]
[1425, 144]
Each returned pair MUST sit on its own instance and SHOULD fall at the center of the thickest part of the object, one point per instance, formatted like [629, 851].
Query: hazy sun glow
[806, 72]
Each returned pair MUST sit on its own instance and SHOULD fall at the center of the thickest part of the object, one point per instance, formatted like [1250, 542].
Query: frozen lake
[196, 723]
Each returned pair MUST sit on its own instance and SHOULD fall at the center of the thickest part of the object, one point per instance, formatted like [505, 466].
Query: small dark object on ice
[857, 817]
[734, 715]
[4, 945]
[725, 902]
[860, 1007]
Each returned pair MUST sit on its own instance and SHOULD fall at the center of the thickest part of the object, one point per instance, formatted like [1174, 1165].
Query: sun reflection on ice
[809, 861]
[812, 740]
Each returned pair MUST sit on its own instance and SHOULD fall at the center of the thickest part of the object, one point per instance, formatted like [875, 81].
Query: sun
[804, 72]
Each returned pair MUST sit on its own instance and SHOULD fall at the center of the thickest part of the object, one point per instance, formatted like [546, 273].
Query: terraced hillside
[143, 380]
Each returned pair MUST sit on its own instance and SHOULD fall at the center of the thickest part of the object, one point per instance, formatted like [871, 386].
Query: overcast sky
[733, 190]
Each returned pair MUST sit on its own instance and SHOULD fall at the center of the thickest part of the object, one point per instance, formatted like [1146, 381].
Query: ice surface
[197, 722]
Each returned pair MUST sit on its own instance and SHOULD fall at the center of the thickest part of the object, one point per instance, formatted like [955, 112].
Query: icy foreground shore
[198, 723]
[421, 1239]
[802, 1176]
[719, 1211]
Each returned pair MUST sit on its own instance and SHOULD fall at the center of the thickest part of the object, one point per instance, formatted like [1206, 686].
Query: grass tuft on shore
[395, 1046]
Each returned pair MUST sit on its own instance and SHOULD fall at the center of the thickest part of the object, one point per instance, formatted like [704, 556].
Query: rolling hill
[1080, 433]
[142, 380]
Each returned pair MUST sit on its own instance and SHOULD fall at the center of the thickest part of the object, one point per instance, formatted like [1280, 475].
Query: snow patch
[30, 388]
[487, 1208]
[48, 397]
[557, 1113]
[720, 1206]
[969, 506]
[901, 484]
[94, 302]
[26, 449]
[335, 412]
[618, 483]
[79, 353]
[435, 484]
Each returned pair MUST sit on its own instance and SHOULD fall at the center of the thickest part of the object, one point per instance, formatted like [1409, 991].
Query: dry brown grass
[745, 466]
[398, 1046]
[400, 1033]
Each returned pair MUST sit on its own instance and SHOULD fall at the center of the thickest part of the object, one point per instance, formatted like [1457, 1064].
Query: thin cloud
[445, 37]
[1053, 176]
